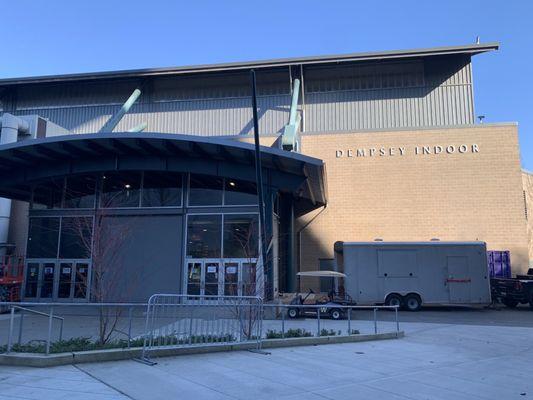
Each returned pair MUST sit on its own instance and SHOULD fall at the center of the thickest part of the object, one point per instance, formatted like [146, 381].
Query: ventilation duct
[10, 126]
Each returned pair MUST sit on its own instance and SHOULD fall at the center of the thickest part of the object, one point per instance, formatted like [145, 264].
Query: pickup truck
[513, 291]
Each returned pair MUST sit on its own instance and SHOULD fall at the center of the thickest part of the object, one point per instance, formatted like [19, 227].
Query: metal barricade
[184, 321]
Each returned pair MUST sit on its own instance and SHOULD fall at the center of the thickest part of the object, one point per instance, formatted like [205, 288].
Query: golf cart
[327, 304]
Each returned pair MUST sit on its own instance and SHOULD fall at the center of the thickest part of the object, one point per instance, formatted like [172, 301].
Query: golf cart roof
[322, 274]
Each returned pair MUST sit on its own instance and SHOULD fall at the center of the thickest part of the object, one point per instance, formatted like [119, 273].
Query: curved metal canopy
[28, 162]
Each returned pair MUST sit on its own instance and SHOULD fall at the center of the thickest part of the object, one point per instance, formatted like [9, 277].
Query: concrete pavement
[434, 361]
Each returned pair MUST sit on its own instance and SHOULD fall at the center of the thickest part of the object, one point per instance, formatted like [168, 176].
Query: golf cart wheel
[510, 303]
[335, 313]
[394, 300]
[413, 302]
[531, 300]
[293, 313]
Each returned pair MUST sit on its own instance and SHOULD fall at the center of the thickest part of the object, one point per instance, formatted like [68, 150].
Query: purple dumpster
[499, 263]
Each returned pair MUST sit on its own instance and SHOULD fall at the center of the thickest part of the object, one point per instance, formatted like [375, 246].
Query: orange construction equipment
[11, 277]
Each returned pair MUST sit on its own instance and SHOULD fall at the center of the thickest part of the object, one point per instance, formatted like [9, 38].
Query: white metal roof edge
[364, 56]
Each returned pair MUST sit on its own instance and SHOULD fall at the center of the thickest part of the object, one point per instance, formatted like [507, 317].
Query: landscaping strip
[42, 360]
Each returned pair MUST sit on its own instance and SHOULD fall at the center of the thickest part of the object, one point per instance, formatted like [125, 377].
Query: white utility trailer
[410, 274]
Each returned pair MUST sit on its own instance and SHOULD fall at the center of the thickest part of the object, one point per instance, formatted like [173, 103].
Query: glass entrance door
[52, 280]
[47, 280]
[212, 278]
[227, 277]
[64, 289]
[73, 279]
[203, 278]
[231, 279]
[40, 279]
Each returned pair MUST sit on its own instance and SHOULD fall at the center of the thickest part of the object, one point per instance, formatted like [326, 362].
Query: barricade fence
[184, 321]
[179, 321]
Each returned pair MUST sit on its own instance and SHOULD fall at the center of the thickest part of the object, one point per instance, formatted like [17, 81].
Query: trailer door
[458, 280]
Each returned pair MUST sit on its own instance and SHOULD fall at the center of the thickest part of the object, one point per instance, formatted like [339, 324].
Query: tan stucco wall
[527, 180]
[415, 197]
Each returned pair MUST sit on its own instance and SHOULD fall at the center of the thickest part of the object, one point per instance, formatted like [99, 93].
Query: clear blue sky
[67, 36]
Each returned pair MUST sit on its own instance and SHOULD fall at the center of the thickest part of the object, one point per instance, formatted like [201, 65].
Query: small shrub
[85, 343]
[355, 332]
[297, 333]
[291, 333]
[326, 332]
[271, 334]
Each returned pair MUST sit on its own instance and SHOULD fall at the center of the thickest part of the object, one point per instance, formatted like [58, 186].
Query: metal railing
[50, 317]
[328, 312]
[183, 321]
[83, 320]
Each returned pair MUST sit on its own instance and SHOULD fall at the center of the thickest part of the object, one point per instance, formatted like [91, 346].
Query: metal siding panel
[199, 117]
[448, 103]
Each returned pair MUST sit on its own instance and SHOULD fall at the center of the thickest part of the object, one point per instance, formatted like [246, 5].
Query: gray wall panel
[149, 260]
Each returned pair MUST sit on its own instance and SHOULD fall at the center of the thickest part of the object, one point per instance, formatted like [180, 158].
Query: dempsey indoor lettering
[361, 152]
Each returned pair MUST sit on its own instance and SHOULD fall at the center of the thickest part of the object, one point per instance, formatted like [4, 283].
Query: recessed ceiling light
[231, 183]
[127, 186]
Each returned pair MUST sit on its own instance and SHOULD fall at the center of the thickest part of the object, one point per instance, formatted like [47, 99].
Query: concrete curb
[41, 360]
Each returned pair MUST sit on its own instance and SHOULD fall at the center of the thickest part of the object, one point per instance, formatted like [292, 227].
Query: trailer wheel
[413, 302]
[293, 313]
[510, 303]
[394, 300]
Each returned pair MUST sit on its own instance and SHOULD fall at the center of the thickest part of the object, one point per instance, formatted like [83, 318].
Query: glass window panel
[211, 278]
[231, 278]
[120, 189]
[241, 236]
[76, 237]
[194, 274]
[48, 195]
[240, 192]
[249, 279]
[80, 281]
[47, 286]
[65, 280]
[205, 190]
[162, 189]
[204, 236]
[43, 237]
[80, 192]
[32, 278]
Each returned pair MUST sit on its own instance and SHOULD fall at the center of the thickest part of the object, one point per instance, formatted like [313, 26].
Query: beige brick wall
[527, 179]
[415, 197]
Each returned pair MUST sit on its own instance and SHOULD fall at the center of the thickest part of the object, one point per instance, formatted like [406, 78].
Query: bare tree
[102, 237]
[254, 280]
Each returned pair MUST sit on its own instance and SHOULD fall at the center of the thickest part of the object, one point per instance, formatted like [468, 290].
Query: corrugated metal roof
[381, 55]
